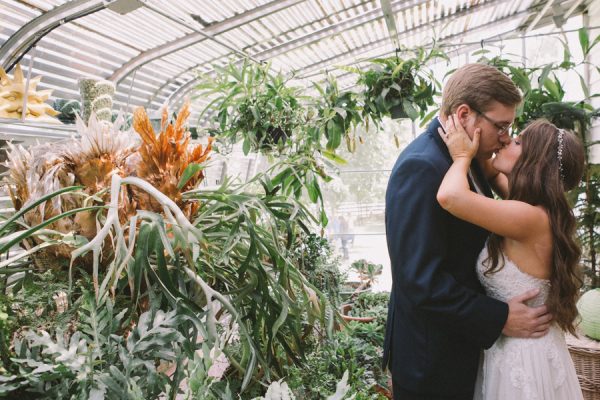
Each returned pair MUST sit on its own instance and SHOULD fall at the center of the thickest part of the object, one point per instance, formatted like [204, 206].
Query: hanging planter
[253, 105]
[275, 135]
[397, 112]
[400, 87]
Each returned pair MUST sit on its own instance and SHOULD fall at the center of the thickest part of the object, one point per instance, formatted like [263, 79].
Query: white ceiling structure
[154, 52]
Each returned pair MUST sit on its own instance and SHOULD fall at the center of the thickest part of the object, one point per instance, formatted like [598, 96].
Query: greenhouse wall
[594, 21]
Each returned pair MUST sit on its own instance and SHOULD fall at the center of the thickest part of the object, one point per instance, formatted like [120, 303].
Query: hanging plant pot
[397, 112]
[274, 135]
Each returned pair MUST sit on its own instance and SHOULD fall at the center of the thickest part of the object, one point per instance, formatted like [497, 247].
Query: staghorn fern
[228, 273]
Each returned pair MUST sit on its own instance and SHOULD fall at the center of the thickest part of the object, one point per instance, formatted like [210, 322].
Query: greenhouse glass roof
[153, 50]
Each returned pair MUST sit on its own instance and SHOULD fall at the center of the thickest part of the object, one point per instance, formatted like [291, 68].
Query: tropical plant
[96, 97]
[314, 257]
[68, 110]
[369, 304]
[366, 269]
[401, 87]
[328, 361]
[251, 102]
[223, 267]
[338, 113]
[242, 257]
[280, 390]
[97, 361]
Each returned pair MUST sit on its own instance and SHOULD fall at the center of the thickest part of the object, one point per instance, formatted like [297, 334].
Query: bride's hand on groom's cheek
[458, 141]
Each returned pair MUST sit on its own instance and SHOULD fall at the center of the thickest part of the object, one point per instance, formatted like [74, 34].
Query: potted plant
[367, 307]
[367, 270]
[253, 103]
[400, 87]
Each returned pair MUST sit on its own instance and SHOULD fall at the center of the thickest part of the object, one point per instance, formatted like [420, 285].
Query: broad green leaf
[410, 110]
[335, 135]
[190, 171]
[334, 157]
[544, 75]
[584, 87]
[428, 117]
[246, 145]
[340, 111]
[594, 43]
[551, 86]
[312, 189]
[584, 40]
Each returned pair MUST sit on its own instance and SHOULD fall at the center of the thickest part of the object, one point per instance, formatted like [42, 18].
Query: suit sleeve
[418, 232]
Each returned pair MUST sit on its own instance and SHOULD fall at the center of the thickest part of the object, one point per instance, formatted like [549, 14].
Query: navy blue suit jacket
[439, 318]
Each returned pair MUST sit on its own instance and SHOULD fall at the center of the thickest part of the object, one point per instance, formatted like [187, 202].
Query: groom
[439, 318]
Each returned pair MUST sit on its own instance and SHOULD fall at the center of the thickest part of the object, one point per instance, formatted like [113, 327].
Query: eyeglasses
[501, 128]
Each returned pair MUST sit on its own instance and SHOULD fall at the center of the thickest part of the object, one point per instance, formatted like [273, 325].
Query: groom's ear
[462, 112]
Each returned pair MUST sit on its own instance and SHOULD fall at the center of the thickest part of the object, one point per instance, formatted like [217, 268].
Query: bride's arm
[509, 218]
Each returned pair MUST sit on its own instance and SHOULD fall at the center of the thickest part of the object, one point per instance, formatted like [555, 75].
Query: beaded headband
[561, 145]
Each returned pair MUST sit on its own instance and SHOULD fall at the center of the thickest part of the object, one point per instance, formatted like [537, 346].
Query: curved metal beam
[212, 60]
[173, 79]
[315, 69]
[200, 36]
[346, 25]
[343, 26]
[313, 37]
[29, 34]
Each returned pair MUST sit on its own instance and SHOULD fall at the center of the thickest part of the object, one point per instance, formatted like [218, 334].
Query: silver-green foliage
[97, 361]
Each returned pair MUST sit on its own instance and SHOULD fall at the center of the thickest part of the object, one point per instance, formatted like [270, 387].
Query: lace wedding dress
[524, 369]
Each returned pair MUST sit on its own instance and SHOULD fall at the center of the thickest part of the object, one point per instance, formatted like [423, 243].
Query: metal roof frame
[191, 69]
[196, 37]
[26, 37]
[183, 90]
[311, 38]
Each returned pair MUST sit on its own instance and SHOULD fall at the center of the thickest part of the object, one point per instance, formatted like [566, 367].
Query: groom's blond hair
[478, 85]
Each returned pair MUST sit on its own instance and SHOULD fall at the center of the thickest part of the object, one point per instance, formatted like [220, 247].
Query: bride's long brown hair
[536, 179]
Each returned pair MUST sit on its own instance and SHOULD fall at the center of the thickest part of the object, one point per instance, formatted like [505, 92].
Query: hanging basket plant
[266, 121]
[400, 87]
[252, 104]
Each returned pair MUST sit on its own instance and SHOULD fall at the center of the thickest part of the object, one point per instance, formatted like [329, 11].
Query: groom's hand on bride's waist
[524, 321]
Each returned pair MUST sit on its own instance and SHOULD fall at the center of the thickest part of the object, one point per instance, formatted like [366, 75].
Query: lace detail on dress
[556, 363]
[524, 369]
[510, 281]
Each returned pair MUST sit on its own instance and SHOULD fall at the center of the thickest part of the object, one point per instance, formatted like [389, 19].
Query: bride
[532, 245]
